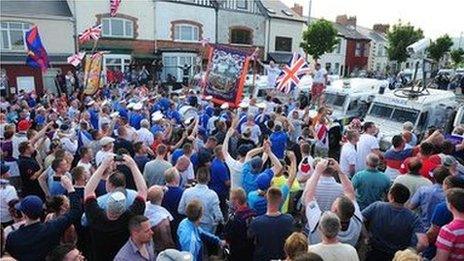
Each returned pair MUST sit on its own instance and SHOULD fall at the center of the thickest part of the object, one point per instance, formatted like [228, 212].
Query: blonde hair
[295, 244]
[406, 255]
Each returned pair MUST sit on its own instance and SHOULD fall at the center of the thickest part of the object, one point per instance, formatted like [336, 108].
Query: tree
[320, 37]
[439, 47]
[400, 37]
[457, 56]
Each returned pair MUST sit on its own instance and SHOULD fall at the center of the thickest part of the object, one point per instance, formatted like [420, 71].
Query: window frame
[124, 21]
[249, 31]
[196, 37]
[238, 2]
[8, 30]
[283, 38]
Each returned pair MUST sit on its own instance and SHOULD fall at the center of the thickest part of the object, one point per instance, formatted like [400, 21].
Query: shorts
[317, 89]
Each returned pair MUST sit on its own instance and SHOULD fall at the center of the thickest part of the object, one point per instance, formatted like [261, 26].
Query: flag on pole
[91, 33]
[255, 54]
[37, 56]
[76, 59]
[114, 6]
[204, 42]
[292, 73]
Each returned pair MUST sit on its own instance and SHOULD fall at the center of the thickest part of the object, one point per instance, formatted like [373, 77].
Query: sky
[435, 18]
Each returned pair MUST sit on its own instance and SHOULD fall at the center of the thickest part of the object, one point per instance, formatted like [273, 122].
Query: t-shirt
[366, 144]
[412, 182]
[348, 156]
[235, 168]
[334, 252]
[27, 167]
[451, 239]
[7, 194]
[108, 236]
[154, 172]
[391, 228]
[319, 76]
[427, 198]
[393, 160]
[278, 143]
[272, 74]
[349, 236]
[370, 186]
[327, 190]
[219, 176]
[270, 233]
[428, 165]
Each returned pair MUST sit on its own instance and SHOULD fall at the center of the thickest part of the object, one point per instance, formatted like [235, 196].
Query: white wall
[166, 12]
[229, 19]
[56, 34]
[141, 9]
[286, 28]
[335, 57]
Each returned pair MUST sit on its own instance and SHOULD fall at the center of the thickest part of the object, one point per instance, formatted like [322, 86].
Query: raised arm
[229, 133]
[292, 169]
[348, 188]
[89, 190]
[138, 178]
[311, 184]
[40, 134]
[253, 153]
[43, 183]
[276, 165]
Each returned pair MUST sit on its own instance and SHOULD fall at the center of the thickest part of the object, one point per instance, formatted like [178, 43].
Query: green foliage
[399, 37]
[457, 56]
[439, 47]
[319, 37]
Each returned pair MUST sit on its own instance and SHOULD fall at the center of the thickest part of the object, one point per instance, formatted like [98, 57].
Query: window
[186, 32]
[381, 111]
[12, 35]
[117, 27]
[337, 69]
[240, 36]
[338, 47]
[283, 44]
[328, 67]
[117, 62]
[173, 63]
[380, 50]
[336, 100]
[360, 49]
[242, 4]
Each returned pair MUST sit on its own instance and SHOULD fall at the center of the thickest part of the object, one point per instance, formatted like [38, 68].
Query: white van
[348, 97]
[389, 112]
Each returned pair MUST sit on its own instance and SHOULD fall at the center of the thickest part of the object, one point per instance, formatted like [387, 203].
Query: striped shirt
[327, 190]
[451, 239]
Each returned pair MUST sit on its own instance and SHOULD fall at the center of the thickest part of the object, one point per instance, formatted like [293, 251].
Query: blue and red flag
[291, 74]
[37, 55]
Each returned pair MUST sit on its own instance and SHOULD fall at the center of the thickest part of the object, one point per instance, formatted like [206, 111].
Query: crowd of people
[126, 175]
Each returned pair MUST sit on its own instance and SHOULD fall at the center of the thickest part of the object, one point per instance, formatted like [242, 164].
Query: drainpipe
[76, 37]
[216, 27]
[269, 37]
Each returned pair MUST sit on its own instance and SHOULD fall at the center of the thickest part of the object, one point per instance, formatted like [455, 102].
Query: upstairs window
[283, 44]
[186, 32]
[241, 36]
[117, 27]
[360, 49]
[242, 4]
[12, 36]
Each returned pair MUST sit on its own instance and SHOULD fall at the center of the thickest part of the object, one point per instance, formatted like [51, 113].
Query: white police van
[389, 112]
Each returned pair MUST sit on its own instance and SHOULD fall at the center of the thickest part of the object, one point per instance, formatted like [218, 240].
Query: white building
[378, 57]
[334, 62]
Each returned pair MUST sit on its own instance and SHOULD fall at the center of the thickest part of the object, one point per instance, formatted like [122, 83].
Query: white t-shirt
[349, 236]
[335, 252]
[235, 168]
[7, 193]
[255, 132]
[145, 136]
[348, 156]
[366, 144]
[187, 175]
[319, 76]
[272, 75]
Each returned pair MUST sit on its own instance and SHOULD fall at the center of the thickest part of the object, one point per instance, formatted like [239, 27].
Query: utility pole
[309, 11]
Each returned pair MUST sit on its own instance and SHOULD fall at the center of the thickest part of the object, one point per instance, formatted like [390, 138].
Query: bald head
[155, 195]
[182, 163]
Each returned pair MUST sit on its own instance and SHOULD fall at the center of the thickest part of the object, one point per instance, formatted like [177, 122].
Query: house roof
[277, 9]
[37, 7]
[349, 32]
[373, 35]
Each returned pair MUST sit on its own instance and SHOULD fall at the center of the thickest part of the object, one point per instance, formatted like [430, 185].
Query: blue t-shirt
[135, 119]
[156, 128]
[176, 155]
[219, 176]
[257, 202]
[278, 143]
[249, 178]
[392, 228]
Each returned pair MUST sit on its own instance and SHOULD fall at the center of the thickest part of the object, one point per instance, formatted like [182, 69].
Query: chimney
[298, 9]
[345, 20]
[381, 28]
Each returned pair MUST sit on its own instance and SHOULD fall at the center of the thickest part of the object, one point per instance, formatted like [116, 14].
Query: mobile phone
[57, 178]
[118, 158]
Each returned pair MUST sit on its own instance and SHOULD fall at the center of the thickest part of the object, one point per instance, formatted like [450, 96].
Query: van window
[422, 125]
[403, 115]
[381, 111]
[336, 100]
[353, 105]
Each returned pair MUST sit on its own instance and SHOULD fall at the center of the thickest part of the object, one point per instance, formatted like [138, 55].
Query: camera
[118, 158]
[418, 47]
[57, 178]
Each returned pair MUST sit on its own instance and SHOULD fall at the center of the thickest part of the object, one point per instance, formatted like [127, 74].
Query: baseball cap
[174, 255]
[116, 203]
[24, 125]
[106, 140]
[31, 206]
[4, 168]
[256, 164]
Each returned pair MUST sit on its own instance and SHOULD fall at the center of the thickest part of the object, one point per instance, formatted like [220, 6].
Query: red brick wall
[351, 60]
[18, 70]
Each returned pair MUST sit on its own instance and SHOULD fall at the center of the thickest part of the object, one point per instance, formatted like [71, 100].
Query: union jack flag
[114, 6]
[90, 33]
[291, 74]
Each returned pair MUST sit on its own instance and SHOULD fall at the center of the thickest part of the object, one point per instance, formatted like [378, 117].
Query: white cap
[243, 105]
[138, 106]
[188, 120]
[156, 116]
[208, 98]
[225, 105]
[144, 99]
[261, 105]
[114, 114]
[91, 102]
[182, 96]
[106, 140]
[130, 105]
[105, 102]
